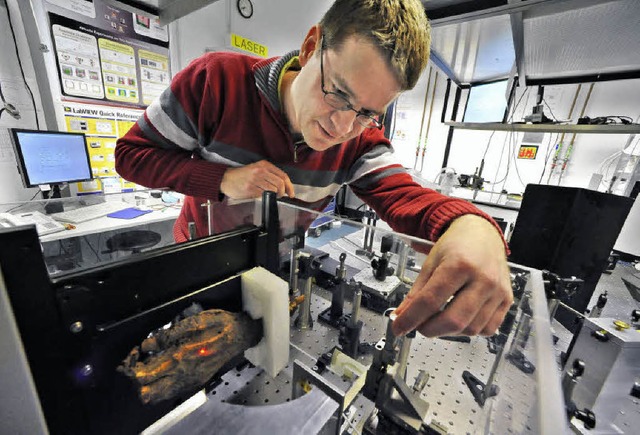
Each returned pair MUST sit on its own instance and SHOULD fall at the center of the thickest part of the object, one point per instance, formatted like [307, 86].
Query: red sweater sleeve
[412, 209]
[405, 205]
[158, 151]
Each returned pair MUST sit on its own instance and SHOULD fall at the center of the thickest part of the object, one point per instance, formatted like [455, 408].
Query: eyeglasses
[340, 102]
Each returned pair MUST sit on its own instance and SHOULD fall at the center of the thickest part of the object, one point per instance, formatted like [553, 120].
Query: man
[231, 126]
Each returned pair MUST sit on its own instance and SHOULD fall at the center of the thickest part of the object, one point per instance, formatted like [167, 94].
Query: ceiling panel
[555, 41]
[599, 39]
[476, 51]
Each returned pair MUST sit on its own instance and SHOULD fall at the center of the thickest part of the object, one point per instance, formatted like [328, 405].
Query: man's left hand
[469, 263]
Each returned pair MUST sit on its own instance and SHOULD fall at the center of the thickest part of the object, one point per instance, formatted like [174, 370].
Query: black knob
[577, 367]
[386, 243]
[601, 335]
[587, 417]
[602, 300]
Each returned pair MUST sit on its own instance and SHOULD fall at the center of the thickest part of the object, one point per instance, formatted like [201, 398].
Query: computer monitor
[51, 157]
[486, 102]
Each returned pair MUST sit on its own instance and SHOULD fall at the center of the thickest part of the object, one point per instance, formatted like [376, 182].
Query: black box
[569, 231]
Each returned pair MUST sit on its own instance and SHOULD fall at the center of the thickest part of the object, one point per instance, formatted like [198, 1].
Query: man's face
[356, 72]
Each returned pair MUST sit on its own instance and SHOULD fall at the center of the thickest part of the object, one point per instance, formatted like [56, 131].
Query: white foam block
[266, 296]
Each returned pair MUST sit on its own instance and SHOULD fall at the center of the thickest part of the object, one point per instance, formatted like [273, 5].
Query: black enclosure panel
[118, 304]
[569, 231]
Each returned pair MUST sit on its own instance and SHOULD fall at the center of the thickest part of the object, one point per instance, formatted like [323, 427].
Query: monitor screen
[51, 157]
[486, 103]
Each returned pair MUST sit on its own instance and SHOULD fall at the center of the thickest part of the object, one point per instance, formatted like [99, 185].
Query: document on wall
[117, 57]
[79, 63]
[82, 7]
[102, 126]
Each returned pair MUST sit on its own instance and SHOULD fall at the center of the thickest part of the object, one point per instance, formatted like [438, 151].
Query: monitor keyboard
[89, 212]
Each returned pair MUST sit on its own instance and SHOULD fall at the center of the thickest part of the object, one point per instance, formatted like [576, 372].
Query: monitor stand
[55, 206]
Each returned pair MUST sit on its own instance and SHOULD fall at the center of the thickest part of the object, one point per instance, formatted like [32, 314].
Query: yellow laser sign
[248, 45]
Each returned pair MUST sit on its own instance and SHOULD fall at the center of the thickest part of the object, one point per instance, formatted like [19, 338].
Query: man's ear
[310, 44]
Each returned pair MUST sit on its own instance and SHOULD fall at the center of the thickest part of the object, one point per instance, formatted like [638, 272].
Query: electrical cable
[550, 111]
[507, 137]
[91, 247]
[506, 175]
[24, 79]
[504, 144]
[605, 178]
[37, 193]
[607, 160]
[515, 162]
[547, 156]
[486, 149]
[20, 205]
[513, 112]
[62, 248]
[606, 120]
[4, 102]
[498, 169]
[607, 163]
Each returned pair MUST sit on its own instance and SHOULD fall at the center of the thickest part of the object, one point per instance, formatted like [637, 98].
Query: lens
[367, 121]
[336, 101]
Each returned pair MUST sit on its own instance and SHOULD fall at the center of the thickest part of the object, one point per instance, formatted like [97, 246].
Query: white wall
[279, 25]
[15, 92]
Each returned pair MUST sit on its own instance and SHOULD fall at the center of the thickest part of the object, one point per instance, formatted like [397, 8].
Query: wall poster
[102, 126]
[111, 64]
[114, 56]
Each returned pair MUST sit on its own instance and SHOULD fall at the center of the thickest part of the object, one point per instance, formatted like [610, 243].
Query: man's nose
[343, 121]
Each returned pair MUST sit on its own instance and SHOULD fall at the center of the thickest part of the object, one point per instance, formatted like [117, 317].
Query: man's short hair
[398, 27]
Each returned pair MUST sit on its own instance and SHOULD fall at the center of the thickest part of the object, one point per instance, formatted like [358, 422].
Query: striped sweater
[223, 110]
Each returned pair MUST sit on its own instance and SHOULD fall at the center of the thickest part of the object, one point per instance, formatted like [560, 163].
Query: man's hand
[251, 180]
[467, 262]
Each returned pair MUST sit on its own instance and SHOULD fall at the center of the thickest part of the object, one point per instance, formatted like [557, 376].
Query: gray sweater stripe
[172, 107]
[151, 134]
[375, 152]
[241, 157]
[171, 121]
[369, 179]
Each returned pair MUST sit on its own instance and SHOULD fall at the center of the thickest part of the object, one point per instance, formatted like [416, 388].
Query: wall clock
[245, 8]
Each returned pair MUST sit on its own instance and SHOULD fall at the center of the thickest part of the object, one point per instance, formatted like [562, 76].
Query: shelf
[548, 128]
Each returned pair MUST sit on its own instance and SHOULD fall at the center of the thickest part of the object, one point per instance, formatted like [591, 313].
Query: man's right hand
[251, 180]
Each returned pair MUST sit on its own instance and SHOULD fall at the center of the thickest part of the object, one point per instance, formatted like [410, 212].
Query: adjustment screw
[76, 327]
[86, 370]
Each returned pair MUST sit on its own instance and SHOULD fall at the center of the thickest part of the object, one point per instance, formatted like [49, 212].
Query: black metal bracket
[478, 388]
